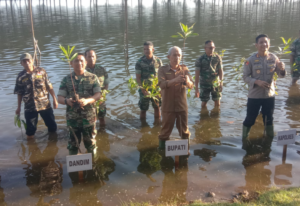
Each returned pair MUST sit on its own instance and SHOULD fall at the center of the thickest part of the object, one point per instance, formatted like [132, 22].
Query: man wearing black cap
[33, 87]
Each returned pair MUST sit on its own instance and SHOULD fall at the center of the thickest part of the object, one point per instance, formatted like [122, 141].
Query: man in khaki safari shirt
[173, 80]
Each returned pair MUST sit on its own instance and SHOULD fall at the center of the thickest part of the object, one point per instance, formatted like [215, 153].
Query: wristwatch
[66, 101]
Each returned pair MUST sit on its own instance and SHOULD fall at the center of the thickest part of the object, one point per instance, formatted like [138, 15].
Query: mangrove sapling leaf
[102, 99]
[186, 32]
[69, 58]
[18, 122]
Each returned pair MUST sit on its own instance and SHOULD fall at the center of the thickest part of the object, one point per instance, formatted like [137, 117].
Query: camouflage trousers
[102, 110]
[144, 102]
[84, 133]
[205, 93]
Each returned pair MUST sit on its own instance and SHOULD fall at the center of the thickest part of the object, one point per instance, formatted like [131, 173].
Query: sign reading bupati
[177, 147]
[79, 162]
[286, 137]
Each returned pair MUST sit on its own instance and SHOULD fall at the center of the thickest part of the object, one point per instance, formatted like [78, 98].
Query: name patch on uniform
[38, 76]
[258, 71]
[168, 73]
[256, 60]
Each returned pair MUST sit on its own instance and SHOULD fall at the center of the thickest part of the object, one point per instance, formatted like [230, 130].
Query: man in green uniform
[102, 75]
[295, 58]
[33, 87]
[81, 120]
[209, 70]
[145, 67]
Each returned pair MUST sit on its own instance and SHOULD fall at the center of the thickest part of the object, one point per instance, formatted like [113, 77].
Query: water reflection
[175, 183]
[44, 174]
[257, 176]
[2, 197]
[207, 129]
[292, 105]
[147, 146]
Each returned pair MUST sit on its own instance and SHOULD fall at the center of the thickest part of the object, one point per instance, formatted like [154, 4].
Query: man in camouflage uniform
[295, 58]
[102, 75]
[209, 70]
[81, 120]
[145, 67]
[34, 86]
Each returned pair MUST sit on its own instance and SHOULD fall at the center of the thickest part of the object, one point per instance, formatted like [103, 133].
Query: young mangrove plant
[18, 122]
[151, 87]
[186, 32]
[68, 57]
[285, 50]
[101, 100]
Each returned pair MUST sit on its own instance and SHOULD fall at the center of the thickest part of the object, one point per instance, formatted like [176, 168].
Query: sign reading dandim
[79, 162]
[177, 147]
[286, 137]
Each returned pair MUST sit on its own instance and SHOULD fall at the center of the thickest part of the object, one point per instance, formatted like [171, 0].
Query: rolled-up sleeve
[198, 64]
[63, 90]
[162, 82]
[247, 73]
[280, 73]
[47, 82]
[106, 79]
[138, 68]
[96, 86]
[19, 88]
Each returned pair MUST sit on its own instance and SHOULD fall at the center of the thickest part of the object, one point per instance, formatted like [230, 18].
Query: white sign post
[177, 147]
[79, 162]
[284, 138]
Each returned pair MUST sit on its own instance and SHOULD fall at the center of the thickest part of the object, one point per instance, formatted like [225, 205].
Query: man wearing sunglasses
[209, 71]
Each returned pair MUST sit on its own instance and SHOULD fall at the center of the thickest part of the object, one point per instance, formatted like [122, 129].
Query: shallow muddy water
[128, 166]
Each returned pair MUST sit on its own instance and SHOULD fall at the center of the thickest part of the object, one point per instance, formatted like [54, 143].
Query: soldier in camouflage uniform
[81, 121]
[33, 87]
[145, 67]
[209, 70]
[295, 58]
[102, 75]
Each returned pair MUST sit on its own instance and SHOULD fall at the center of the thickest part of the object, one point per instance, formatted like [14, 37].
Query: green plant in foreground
[102, 99]
[18, 121]
[68, 58]
[186, 32]
[151, 87]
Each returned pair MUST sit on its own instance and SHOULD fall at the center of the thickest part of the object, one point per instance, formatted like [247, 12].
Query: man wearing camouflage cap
[295, 60]
[145, 67]
[80, 120]
[33, 87]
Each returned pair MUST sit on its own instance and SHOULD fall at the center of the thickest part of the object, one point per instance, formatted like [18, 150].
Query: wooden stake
[284, 154]
[176, 163]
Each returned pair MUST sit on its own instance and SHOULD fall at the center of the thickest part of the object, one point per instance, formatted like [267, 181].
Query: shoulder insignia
[247, 63]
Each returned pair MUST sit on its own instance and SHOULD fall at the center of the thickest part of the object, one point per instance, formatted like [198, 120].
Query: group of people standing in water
[88, 79]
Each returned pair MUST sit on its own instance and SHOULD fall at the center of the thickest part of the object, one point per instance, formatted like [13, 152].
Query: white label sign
[177, 147]
[286, 137]
[79, 162]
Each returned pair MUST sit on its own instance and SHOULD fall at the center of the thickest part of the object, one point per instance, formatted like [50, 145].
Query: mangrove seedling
[67, 53]
[151, 87]
[186, 32]
[102, 99]
[18, 122]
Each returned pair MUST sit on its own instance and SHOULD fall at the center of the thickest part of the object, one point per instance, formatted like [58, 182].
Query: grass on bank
[274, 197]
